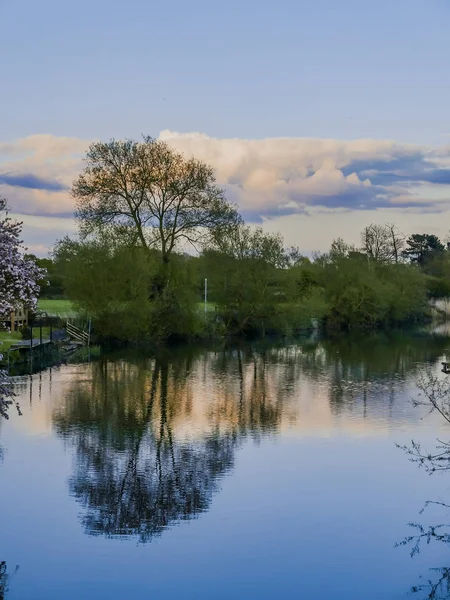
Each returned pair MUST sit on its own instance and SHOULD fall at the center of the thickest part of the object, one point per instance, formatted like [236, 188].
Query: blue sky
[348, 70]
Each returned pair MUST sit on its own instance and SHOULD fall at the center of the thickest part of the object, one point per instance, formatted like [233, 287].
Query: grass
[65, 308]
[8, 339]
[210, 306]
[57, 308]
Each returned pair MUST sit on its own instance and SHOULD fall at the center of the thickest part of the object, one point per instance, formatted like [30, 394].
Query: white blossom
[18, 284]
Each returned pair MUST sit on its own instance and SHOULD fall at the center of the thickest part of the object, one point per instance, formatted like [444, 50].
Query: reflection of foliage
[381, 355]
[131, 475]
[5, 579]
[160, 483]
[437, 588]
[434, 395]
[153, 437]
[439, 533]
[137, 467]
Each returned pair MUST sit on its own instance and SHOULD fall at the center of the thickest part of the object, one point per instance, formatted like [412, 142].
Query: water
[264, 471]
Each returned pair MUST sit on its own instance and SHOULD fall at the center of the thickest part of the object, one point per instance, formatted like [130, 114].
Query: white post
[206, 294]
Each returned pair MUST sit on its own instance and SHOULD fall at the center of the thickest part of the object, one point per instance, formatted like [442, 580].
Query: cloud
[288, 175]
[37, 171]
[40, 233]
[267, 178]
[30, 181]
[38, 202]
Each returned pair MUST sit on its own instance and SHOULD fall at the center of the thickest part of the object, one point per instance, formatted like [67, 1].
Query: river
[252, 471]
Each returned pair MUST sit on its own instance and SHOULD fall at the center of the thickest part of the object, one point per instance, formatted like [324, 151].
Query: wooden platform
[27, 344]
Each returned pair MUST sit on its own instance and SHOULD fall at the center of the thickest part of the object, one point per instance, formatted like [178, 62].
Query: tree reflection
[5, 578]
[132, 477]
[152, 438]
[436, 587]
[435, 396]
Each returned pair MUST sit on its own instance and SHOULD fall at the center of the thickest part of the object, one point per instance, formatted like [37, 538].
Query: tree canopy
[421, 247]
[140, 205]
[151, 191]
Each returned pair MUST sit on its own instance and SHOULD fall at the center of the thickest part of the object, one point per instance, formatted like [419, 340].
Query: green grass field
[57, 308]
[8, 339]
[210, 307]
[66, 309]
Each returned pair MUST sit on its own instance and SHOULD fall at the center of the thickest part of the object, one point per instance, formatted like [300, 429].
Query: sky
[318, 116]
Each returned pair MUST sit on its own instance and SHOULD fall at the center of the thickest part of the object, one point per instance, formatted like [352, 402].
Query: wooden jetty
[32, 343]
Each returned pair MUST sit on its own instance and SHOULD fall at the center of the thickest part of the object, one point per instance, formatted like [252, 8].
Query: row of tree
[154, 225]
[142, 207]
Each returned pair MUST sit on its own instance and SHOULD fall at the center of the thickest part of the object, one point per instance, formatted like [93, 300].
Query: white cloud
[326, 182]
[273, 173]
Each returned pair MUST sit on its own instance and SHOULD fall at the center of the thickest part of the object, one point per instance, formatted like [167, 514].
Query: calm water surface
[252, 472]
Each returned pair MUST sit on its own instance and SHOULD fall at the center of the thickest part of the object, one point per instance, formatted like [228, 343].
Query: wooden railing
[78, 334]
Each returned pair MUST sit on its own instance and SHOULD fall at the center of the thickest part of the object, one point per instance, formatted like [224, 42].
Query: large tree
[382, 243]
[420, 248]
[18, 283]
[147, 188]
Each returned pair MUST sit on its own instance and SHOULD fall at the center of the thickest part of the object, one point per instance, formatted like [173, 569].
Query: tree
[148, 188]
[242, 265]
[376, 242]
[340, 249]
[386, 293]
[382, 243]
[422, 247]
[113, 281]
[51, 285]
[397, 241]
[18, 284]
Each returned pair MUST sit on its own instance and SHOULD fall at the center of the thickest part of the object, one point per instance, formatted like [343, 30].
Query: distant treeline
[141, 206]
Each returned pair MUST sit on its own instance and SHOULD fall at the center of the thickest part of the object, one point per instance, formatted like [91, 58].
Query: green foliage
[114, 283]
[26, 333]
[370, 294]
[256, 286]
[174, 313]
[147, 189]
[438, 287]
[421, 248]
[243, 268]
[139, 204]
[292, 317]
[52, 285]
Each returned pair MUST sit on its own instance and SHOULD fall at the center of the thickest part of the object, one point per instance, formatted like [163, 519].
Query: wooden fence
[78, 334]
